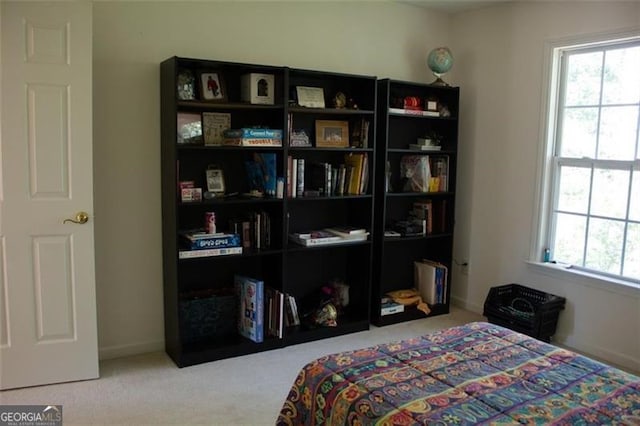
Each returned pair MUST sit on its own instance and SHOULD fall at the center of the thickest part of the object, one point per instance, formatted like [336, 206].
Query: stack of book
[425, 144]
[198, 243]
[252, 137]
[337, 235]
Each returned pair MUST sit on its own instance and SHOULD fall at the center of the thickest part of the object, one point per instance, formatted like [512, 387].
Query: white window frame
[548, 179]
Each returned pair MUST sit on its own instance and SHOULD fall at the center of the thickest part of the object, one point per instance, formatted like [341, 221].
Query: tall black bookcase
[282, 264]
[403, 119]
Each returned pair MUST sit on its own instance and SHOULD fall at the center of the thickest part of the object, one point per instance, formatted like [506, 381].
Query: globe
[440, 61]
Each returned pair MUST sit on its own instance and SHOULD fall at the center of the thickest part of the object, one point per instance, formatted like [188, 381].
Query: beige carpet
[248, 390]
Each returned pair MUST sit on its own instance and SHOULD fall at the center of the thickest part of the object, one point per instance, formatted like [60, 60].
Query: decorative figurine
[339, 100]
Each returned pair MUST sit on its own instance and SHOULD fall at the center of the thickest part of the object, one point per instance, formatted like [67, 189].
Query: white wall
[499, 65]
[131, 39]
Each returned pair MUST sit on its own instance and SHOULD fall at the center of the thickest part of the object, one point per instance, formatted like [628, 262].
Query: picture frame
[212, 87]
[332, 133]
[215, 180]
[189, 127]
[213, 126]
[310, 97]
[186, 85]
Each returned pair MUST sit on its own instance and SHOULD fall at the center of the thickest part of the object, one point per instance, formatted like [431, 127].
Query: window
[594, 162]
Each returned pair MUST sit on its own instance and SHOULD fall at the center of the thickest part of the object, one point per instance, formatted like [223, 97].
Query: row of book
[263, 311]
[307, 179]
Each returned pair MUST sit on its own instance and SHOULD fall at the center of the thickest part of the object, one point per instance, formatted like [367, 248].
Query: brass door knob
[81, 217]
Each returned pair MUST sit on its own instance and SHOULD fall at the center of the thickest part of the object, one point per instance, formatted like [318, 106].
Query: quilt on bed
[478, 373]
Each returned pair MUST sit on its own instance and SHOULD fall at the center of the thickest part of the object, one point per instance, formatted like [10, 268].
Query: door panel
[48, 329]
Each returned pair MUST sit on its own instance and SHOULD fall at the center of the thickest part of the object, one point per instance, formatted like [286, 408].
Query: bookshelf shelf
[394, 256]
[279, 264]
[329, 111]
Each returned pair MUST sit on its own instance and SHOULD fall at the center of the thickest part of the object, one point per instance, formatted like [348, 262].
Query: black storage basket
[526, 310]
[208, 314]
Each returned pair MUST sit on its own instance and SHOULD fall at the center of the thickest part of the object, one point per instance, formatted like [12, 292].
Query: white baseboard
[462, 303]
[119, 351]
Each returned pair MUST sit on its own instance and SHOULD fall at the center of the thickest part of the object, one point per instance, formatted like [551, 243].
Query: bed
[478, 373]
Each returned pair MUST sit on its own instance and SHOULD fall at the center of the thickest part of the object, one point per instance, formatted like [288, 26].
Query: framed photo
[186, 85]
[215, 180]
[212, 86]
[189, 128]
[213, 126]
[311, 97]
[330, 133]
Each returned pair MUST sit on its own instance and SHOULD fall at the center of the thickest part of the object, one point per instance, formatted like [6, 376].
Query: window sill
[563, 271]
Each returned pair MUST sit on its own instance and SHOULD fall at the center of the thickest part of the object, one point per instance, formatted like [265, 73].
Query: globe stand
[439, 81]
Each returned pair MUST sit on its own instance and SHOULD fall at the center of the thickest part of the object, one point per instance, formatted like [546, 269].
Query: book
[389, 307]
[349, 233]
[439, 168]
[315, 238]
[424, 147]
[425, 281]
[414, 112]
[255, 176]
[359, 137]
[431, 280]
[201, 240]
[300, 178]
[440, 216]
[364, 177]
[293, 317]
[289, 175]
[251, 142]
[267, 163]
[355, 162]
[424, 210]
[274, 310]
[250, 293]
[294, 177]
[190, 254]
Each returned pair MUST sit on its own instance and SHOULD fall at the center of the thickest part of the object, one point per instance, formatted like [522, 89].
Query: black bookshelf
[284, 265]
[397, 129]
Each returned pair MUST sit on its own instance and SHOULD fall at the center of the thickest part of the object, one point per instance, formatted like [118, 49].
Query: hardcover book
[251, 308]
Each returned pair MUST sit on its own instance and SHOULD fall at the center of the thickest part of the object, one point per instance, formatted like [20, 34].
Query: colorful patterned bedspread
[478, 373]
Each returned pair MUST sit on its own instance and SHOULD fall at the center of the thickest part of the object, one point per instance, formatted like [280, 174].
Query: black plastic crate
[523, 309]
[208, 314]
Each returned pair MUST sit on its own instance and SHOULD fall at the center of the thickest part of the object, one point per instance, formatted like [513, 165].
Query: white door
[48, 329]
